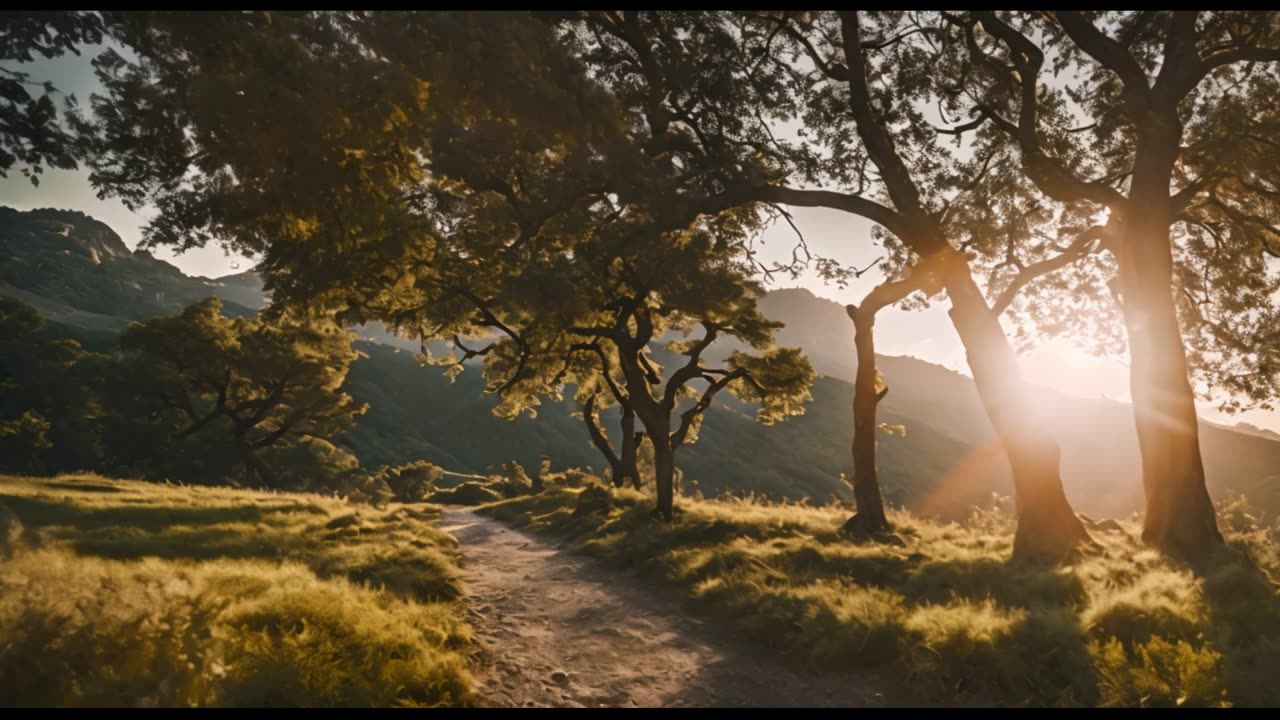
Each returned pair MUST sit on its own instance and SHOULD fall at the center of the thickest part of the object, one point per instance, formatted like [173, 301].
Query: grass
[124, 593]
[941, 614]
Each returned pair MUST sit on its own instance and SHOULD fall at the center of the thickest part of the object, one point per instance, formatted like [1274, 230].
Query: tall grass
[940, 613]
[135, 594]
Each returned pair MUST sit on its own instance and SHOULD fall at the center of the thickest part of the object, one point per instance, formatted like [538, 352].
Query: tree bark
[1180, 518]
[627, 467]
[653, 414]
[664, 470]
[258, 470]
[601, 441]
[1048, 529]
[866, 484]
[870, 517]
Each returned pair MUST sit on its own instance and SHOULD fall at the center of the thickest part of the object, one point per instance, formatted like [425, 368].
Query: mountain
[1101, 464]
[1247, 429]
[77, 271]
[81, 276]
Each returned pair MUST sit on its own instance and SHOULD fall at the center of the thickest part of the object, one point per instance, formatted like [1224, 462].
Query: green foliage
[257, 383]
[559, 242]
[889, 429]
[25, 437]
[31, 135]
[779, 381]
[941, 613]
[50, 396]
[517, 480]
[316, 465]
[412, 482]
[472, 493]
[144, 595]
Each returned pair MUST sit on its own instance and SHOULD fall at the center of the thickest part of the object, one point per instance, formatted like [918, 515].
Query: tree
[709, 88]
[869, 389]
[450, 218]
[31, 135]
[50, 401]
[1177, 113]
[261, 384]
[631, 286]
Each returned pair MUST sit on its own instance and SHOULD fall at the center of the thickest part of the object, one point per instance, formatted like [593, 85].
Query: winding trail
[561, 630]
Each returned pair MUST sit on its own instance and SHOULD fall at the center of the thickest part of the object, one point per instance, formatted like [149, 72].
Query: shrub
[412, 482]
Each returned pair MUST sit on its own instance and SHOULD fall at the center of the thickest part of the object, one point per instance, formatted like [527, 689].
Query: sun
[1065, 366]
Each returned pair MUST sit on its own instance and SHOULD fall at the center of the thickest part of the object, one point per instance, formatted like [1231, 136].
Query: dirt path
[562, 630]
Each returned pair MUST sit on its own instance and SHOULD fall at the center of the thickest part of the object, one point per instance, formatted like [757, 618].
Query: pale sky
[924, 334]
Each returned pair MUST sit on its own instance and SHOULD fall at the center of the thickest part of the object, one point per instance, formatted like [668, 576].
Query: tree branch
[691, 369]
[704, 402]
[1085, 242]
[1108, 53]
[890, 219]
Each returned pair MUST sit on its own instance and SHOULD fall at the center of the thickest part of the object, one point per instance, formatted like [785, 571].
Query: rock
[560, 677]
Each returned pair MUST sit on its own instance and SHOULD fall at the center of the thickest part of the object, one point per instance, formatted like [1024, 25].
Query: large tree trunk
[1048, 529]
[664, 472]
[1180, 518]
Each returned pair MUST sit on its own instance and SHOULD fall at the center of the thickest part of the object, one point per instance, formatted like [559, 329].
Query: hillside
[1243, 459]
[79, 273]
[135, 594]
[939, 615]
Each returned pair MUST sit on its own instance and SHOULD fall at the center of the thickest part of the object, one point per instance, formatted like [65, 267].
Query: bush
[412, 482]
[467, 493]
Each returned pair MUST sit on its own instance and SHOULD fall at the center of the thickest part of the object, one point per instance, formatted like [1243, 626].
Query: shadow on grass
[1244, 614]
[971, 629]
[397, 551]
[41, 512]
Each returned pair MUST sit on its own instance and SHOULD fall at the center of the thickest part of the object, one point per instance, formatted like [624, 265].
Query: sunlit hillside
[123, 593]
[937, 612]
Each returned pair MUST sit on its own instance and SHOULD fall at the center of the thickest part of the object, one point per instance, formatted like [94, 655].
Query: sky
[926, 334]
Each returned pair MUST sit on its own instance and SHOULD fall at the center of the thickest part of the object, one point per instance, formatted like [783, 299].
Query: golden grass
[942, 613]
[126, 593]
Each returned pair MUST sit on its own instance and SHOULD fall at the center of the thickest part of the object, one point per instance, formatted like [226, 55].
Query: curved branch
[1108, 53]
[688, 416]
[833, 70]
[1085, 243]
[1048, 173]
[888, 218]
[598, 436]
[691, 369]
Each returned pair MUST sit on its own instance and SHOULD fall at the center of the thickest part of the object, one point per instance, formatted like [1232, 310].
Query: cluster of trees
[197, 397]
[555, 191]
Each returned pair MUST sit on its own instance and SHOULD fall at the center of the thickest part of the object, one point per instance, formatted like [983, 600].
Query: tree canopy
[262, 384]
[32, 136]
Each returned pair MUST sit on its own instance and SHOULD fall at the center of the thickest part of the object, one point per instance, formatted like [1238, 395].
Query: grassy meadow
[938, 610]
[126, 593]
